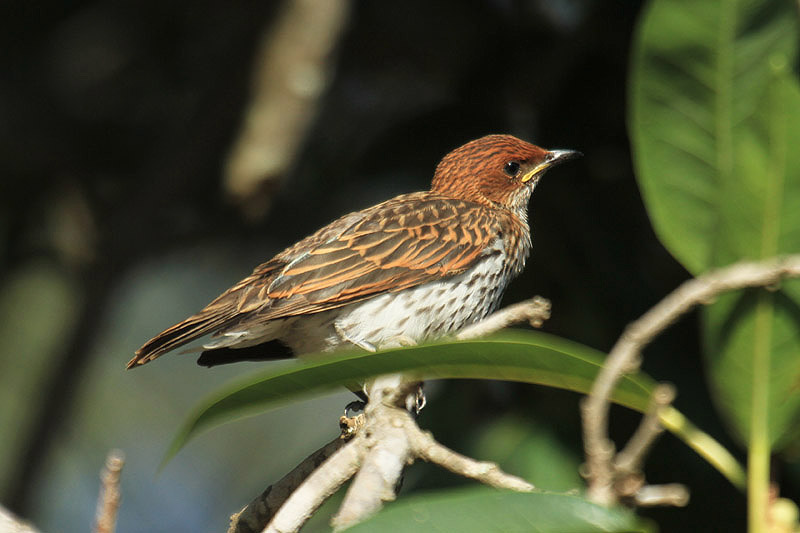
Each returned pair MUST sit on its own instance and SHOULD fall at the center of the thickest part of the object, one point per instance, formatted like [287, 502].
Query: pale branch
[428, 449]
[625, 357]
[534, 311]
[257, 514]
[108, 501]
[632, 456]
[317, 487]
[673, 494]
[384, 442]
[388, 450]
[11, 524]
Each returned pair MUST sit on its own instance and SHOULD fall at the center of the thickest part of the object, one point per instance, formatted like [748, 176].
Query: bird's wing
[397, 245]
[401, 243]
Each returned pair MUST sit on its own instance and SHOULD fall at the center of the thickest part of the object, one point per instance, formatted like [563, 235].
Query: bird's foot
[352, 420]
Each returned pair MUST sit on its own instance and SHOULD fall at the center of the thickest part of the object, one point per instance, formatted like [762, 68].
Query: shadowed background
[116, 220]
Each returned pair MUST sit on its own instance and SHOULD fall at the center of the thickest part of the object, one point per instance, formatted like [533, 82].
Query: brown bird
[414, 268]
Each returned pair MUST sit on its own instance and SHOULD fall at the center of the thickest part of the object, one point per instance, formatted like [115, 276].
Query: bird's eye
[511, 168]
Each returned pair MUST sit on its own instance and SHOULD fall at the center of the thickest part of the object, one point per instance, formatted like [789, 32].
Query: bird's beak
[553, 158]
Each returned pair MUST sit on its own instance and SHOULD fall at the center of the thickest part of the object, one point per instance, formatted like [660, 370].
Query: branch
[632, 456]
[534, 311]
[428, 449]
[257, 514]
[387, 448]
[319, 486]
[11, 524]
[601, 472]
[386, 440]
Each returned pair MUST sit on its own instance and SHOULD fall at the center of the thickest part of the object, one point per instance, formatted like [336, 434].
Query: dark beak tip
[560, 156]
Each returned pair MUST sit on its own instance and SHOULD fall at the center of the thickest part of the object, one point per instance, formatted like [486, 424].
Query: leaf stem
[759, 451]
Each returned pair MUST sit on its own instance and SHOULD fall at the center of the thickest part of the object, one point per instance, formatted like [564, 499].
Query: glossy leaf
[486, 510]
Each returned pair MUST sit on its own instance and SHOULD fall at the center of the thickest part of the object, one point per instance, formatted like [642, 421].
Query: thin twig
[428, 449]
[673, 494]
[632, 456]
[534, 311]
[624, 357]
[108, 501]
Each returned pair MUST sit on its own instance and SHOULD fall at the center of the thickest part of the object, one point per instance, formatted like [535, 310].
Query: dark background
[115, 121]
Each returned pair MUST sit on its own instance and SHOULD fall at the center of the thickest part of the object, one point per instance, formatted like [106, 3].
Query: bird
[412, 269]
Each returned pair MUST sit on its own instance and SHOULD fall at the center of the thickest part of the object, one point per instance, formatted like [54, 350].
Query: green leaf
[715, 123]
[486, 510]
[699, 73]
[526, 356]
[753, 337]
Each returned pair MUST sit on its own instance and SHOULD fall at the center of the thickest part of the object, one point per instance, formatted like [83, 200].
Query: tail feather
[266, 351]
[184, 332]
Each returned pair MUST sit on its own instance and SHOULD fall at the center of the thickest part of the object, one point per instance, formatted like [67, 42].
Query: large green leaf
[486, 510]
[527, 356]
[715, 121]
[699, 73]
[753, 337]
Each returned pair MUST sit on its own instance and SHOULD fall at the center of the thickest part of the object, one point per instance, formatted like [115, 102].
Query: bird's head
[497, 170]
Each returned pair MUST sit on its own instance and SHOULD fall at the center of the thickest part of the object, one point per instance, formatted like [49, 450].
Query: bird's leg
[352, 420]
[414, 402]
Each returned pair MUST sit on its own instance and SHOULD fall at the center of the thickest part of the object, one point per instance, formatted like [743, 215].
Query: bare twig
[534, 311]
[673, 494]
[108, 501]
[291, 73]
[624, 358]
[632, 456]
[428, 449]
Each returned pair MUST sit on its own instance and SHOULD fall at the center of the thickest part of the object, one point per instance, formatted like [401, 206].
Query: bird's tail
[190, 329]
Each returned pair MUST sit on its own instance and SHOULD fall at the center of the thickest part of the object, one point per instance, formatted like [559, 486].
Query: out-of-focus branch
[11, 524]
[108, 501]
[602, 471]
[291, 72]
